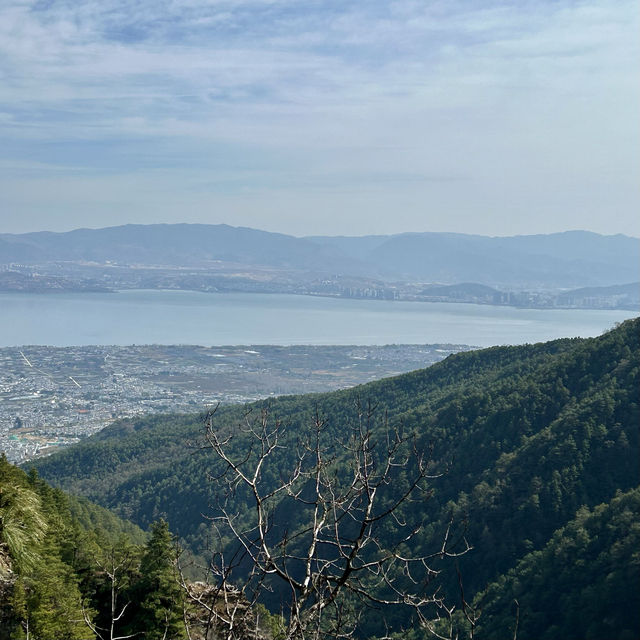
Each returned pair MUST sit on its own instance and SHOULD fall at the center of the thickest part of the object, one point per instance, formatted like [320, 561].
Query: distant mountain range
[561, 260]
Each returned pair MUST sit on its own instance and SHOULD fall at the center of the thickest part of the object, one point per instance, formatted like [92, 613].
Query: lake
[186, 317]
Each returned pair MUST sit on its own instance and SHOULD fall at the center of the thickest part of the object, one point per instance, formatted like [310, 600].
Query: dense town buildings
[51, 397]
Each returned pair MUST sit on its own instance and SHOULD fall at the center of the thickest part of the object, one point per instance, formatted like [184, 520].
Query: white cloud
[315, 96]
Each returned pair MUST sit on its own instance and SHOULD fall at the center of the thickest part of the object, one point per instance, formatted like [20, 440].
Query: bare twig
[345, 488]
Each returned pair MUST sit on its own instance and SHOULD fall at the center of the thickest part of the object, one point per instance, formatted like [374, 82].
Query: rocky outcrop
[215, 613]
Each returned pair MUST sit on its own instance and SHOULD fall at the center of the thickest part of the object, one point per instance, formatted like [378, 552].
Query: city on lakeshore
[51, 397]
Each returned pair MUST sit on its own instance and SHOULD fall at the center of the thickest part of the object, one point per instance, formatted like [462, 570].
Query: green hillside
[527, 436]
[590, 572]
[52, 549]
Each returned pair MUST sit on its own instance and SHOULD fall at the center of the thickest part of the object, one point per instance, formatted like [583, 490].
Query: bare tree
[114, 563]
[332, 528]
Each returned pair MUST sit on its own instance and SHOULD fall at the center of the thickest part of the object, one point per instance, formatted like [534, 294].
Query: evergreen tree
[159, 593]
[53, 602]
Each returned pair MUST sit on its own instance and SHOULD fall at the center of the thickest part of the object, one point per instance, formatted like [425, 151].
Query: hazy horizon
[493, 118]
[407, 232]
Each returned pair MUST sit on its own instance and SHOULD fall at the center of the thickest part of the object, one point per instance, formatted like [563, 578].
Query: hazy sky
[321, 117]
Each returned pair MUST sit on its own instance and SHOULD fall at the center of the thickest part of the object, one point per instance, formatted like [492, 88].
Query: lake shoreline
[185, 317]
[313, 294]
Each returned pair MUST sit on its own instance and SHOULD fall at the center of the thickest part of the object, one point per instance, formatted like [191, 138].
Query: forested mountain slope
[50, 545]
[71, 570]
[590, 570]
[528, 435]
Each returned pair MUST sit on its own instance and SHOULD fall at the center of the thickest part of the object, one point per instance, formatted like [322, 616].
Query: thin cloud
[310, 91]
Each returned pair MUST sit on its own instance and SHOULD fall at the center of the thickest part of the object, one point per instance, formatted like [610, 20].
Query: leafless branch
[343, 490]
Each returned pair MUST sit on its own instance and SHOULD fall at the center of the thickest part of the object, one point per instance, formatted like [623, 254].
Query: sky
[321, 117]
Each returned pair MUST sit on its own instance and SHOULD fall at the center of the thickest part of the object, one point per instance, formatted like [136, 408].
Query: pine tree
[161, 611]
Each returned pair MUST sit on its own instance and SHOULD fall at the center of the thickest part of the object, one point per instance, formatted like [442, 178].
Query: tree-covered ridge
[90, 517]
[527, 435]
[582, 584]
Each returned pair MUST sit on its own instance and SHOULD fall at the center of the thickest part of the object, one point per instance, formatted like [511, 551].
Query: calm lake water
[185, 317]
